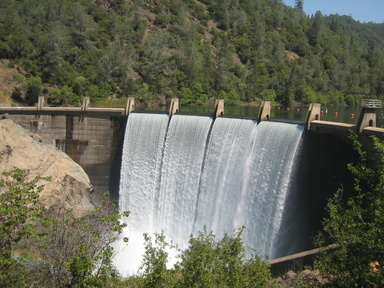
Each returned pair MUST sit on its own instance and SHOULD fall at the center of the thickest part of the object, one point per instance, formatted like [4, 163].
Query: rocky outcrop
[69, 185]
[305, 278]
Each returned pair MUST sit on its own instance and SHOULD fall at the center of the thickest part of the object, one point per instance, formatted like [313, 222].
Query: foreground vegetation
[51, 248]
[356, 225]
[239, 51]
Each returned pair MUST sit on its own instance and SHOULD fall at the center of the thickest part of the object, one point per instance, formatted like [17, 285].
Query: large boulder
[69, 186]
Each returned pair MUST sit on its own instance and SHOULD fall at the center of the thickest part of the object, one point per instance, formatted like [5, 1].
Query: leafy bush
[63, 96]
[77, 251]
[211, 263]
[17, 94]
[207, 262]
[54, 248]
[20, 210]
[355, 225]
[161, 20]
[34, 85]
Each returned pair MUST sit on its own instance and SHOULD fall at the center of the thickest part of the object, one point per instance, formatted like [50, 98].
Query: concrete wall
[94, 141]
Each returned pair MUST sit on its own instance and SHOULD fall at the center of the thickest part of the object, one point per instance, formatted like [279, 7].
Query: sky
[360, 10]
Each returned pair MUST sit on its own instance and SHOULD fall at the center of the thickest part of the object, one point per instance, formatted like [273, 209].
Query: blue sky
[361, 10]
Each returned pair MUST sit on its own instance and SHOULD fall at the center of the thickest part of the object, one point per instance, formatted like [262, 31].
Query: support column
[40, 103]
[130, 106]
[368, 114]
[86, 103]
[174, 107]
[219, 108]
[265, 111]
[312, 114]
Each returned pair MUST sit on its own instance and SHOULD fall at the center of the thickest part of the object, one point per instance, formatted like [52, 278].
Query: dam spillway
[191, 172]
[93, 137]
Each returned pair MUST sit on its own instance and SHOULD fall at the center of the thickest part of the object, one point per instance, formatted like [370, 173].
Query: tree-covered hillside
[236, 50]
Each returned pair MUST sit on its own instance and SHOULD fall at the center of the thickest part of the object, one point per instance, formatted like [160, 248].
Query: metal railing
[371, 103]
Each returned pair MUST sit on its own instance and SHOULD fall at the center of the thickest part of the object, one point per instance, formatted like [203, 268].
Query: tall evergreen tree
[299, 4]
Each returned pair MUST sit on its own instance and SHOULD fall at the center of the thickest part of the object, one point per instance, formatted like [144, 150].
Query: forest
[242, 51]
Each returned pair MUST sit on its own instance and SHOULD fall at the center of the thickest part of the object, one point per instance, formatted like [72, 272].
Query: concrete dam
[182, 173]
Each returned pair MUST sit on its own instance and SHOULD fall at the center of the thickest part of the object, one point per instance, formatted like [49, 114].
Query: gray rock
[290, 275]
[69, 186]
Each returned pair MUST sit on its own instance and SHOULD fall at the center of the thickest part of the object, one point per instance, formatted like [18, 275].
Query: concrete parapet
[328, 127]
[376, 131]
[18, 109]
[312, 114]
[174, 107]
[219, 108]
[56, 111]
[106, 111]
[371, 103]
[265, 111]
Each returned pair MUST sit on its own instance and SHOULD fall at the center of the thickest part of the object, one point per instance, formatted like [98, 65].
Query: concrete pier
[174, 107]
[368, 114]
[130, 106]
[219, 108]
[265, 111]
[85, 105]
[312, 114]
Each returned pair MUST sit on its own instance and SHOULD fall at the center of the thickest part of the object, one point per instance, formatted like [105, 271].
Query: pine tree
[299, 4]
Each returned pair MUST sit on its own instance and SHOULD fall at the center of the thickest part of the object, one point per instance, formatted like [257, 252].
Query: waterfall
[266, 184]
[140, 169]
[195, 172]
[180, 174]
[222, 177]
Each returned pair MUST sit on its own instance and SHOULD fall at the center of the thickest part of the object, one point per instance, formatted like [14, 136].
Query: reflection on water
[336, 114]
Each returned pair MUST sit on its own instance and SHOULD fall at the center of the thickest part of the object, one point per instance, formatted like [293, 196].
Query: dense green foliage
[52, 248]
[194, 50]
[207, 262]
[19, 211]
[78, 252]
[356, 225]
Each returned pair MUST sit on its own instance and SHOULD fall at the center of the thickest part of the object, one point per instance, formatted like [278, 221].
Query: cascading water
[180, 174]
[139, 183]
[194, 174]
[246, 178]
[265, 184]
[140, 169]
[222, 177]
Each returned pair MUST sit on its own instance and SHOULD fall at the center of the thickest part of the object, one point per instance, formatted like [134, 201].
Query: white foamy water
[191, 174]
